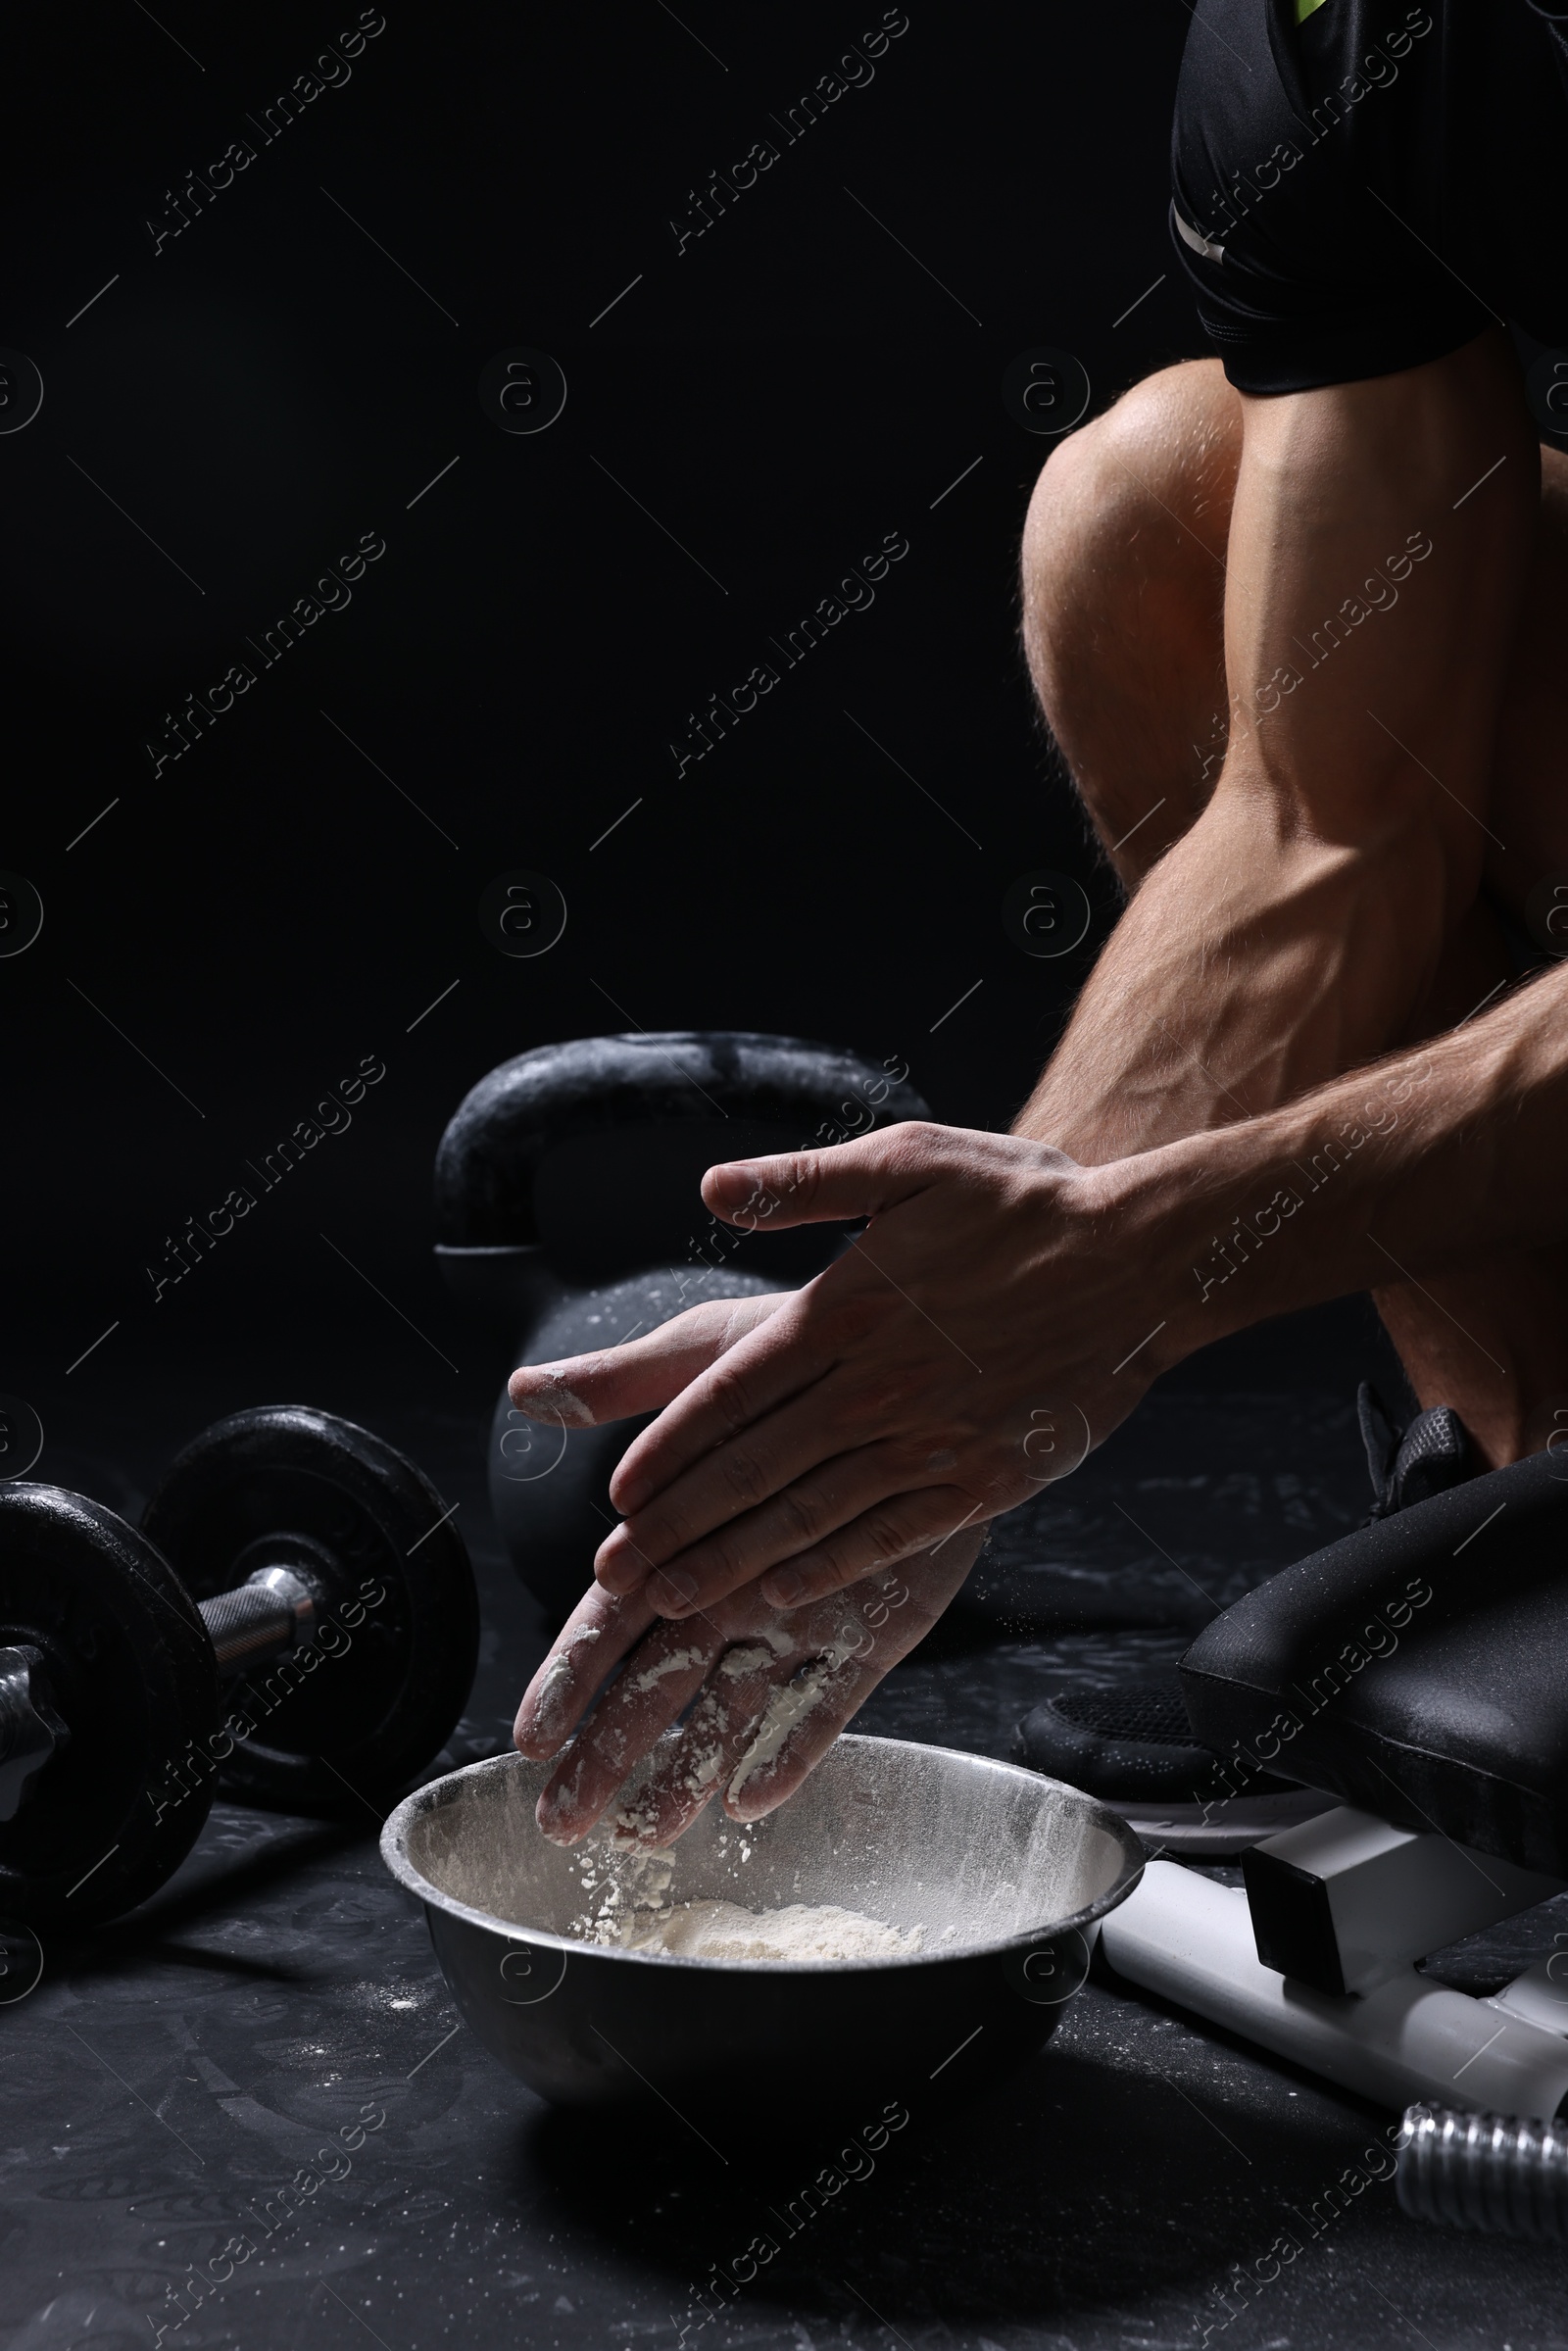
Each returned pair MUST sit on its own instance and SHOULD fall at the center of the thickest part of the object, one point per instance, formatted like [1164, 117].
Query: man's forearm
[1006, 1306]
[1451, 1150]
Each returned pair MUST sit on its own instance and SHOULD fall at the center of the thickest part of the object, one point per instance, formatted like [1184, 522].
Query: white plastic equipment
[1358, 1901]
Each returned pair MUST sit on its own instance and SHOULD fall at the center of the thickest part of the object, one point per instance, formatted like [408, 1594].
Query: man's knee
[1176, 434]
[1123, 592]
[1142, 492]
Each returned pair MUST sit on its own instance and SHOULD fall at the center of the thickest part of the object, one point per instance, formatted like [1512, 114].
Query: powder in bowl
[801, 1931]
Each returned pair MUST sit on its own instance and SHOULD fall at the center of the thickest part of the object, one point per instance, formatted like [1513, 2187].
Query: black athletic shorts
[1368, 188]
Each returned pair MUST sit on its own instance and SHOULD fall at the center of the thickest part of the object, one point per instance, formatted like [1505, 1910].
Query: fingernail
[782, 1587]
[621, 1573]
[672, 1589]
[630, 1493]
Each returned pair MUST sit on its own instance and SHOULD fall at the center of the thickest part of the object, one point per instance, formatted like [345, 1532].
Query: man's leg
[1518, 1304]
[1124, 607]
[1124, 580]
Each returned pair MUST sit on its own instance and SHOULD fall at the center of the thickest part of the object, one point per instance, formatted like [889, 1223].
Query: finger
[590, 1644]
[822, 1533]
[756, 1698]
[723, 1723]
[616, 1382]
[766, 1491]
[847, 1179]
[661, 1677]
[773, 1364]
[631, 1719]
[894, 1610]
[895, 1531]
[777, 1461]
[787, 1744]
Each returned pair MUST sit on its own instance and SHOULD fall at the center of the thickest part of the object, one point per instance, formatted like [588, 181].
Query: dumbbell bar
[271, 1611]
[272, 1531]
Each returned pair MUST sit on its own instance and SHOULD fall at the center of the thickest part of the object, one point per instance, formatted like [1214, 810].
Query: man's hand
[993, 1322]
[772, 1690]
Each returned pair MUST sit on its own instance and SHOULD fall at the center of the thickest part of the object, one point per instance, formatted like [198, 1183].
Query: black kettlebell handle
[579, 1161]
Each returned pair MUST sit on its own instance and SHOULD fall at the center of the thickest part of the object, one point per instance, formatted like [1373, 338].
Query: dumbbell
[569, 1212]
[294, 1623]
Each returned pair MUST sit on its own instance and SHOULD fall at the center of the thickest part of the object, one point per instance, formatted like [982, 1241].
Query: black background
[235, 933]
[270, 384]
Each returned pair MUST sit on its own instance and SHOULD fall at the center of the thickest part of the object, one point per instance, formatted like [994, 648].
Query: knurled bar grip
[1492, 2171]
[252, 1621]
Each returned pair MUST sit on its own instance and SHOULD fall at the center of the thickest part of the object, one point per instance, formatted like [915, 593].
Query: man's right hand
[1004, 1310]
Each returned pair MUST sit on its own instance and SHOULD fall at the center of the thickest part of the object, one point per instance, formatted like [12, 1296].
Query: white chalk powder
[754, 1660]
[631, 1908]
[799, 1931]
[679, 1661]
[549, 1395]
[789, 1702]
[559, 1685]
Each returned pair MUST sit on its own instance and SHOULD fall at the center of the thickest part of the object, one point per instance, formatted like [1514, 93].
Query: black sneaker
[1411, 1464]
[1133, 1748]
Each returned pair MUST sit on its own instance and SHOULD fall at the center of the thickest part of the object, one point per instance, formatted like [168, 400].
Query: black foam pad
[1418, 1669]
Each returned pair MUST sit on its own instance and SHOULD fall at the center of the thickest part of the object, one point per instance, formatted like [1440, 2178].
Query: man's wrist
[1275, 1213]
[1158, 1214]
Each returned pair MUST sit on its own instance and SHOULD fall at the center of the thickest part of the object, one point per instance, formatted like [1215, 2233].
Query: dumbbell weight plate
[287, 1485]
[114, 1812]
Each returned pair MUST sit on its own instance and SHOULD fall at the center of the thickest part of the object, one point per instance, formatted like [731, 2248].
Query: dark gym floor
[171, 2072]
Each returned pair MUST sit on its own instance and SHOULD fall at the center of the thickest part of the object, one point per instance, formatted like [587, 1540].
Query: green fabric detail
[1305, 8]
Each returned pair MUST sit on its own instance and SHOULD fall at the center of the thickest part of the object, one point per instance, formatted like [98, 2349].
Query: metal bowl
[1002, 1869]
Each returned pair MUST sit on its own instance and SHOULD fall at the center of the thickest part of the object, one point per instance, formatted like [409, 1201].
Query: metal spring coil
[1499, 2173]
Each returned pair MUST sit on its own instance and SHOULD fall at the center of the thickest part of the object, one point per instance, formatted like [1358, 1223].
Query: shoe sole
[1219, 1830]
